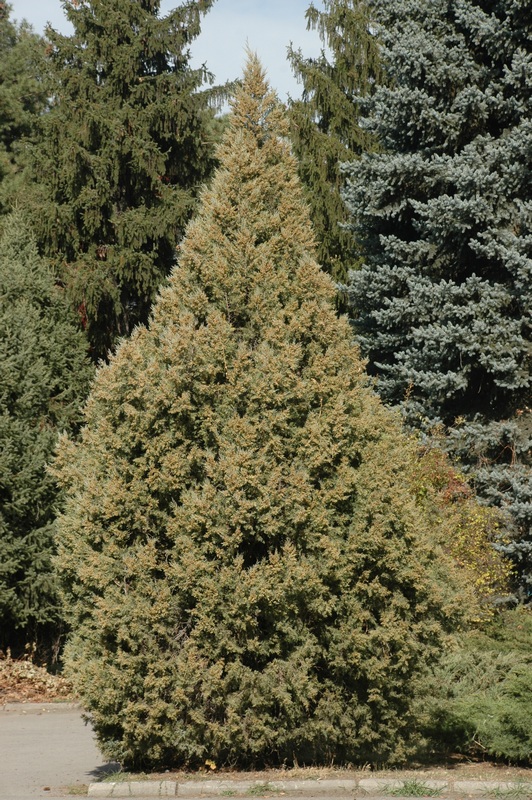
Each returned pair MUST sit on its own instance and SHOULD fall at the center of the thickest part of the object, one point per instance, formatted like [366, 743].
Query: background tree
[123, 149]
[22, 96]
[442, 305]
[248, 574]
[325, 124]
[44, 376]
[480, 693]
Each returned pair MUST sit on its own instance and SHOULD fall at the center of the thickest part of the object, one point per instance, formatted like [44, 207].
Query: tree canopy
[122, 151]
[44, 378]
[249, 576]
[442, 305]
[325, 124]
[22, 97]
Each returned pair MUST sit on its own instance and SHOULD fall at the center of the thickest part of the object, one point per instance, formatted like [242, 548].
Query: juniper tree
[325, 128]
[124, 147]
[442, 305]
[44, 376]
[248, 576]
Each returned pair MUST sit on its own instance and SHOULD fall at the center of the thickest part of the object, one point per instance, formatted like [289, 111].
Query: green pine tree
[248, 576]
[22, 97]
[44, 377]
[325, 123]
[442, 305]
[123, 149]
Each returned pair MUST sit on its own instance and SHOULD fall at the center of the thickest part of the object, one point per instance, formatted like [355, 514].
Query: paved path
[45, 748]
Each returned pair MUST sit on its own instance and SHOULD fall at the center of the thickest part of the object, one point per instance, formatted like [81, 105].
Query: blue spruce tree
[442, 303]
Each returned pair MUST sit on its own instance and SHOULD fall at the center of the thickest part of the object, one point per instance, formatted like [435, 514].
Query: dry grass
[459, 769]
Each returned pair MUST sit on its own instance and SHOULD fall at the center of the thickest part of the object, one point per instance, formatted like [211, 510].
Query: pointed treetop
[256, 106]
[251, 245]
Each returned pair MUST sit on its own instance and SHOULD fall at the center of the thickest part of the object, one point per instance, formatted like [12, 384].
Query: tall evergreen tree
[22, 96]
[124, 147]
[44, 376]
[248, 575]
[443, 304]
[325, 123]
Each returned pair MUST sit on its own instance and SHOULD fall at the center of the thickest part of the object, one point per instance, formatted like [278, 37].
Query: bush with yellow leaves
[471, 530]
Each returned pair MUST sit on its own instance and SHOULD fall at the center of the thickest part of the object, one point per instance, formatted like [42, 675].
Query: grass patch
[413, 788]
[121, 777]
[521, 790]
[77, 789]
[259, 789]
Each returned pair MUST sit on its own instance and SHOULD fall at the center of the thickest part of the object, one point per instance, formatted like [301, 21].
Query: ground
[24, 682]
[21, 681]
[461, 770]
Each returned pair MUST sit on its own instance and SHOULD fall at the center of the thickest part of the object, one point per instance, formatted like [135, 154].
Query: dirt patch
[21, 681]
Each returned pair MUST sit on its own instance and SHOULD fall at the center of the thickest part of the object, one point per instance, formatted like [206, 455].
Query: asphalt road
[46, 750]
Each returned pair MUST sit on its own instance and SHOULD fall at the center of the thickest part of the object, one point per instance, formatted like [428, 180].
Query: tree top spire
[256, 107]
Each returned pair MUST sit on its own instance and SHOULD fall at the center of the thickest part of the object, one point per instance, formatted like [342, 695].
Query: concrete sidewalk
[372, 788]
[46, 750]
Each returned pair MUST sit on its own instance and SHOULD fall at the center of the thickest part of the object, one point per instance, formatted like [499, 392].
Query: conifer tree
[44, 376]
[325, 126]
[248, 575]
[124, 147]
[22, 96]
[443, 304]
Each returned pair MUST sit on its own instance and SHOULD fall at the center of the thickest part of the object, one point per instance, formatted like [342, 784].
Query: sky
[269, 26]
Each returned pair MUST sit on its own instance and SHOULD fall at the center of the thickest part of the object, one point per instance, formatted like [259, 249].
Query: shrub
[471, 531]
[482, 691]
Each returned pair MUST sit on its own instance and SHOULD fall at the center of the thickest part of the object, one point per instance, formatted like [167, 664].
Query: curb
[374, 788]
[39, 708]
[134, 789]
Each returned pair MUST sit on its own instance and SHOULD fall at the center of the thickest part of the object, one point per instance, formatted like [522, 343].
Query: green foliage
[124, 146]
[324, 124]
[261, 789]
[43, 380]
[442, 304]
[22, 97]
[412, 788]
[248, 575]
[482, 692]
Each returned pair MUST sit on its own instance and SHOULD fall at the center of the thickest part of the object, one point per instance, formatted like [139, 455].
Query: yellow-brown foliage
[470, 530]
[249, 576]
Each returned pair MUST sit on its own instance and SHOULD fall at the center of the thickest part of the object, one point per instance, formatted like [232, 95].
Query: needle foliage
[325, 124]
[442, 303]
[44, 378]
[126, 142]
[249, 577]
[22, 97]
